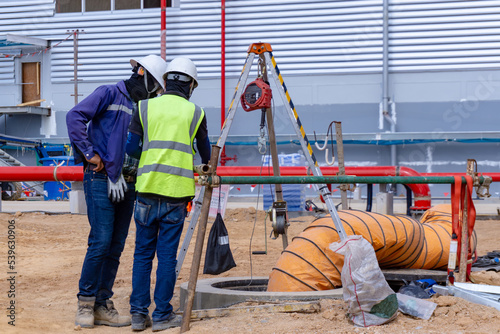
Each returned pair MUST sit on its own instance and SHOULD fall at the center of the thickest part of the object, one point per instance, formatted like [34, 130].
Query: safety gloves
[116, 191]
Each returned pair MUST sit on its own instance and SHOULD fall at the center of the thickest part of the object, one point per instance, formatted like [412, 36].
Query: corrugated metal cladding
[444, 35]
[7, 71]
[308, 37]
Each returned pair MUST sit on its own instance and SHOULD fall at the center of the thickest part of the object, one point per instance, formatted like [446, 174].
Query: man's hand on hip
[96, 160]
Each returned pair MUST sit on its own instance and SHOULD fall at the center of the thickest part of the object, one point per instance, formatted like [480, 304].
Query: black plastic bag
[419, 289]
[218, 258]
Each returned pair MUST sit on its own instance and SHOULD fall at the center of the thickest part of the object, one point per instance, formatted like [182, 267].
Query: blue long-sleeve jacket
[107, 111]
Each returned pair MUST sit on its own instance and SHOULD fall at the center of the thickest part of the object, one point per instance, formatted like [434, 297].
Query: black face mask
[137, 88]
[182, 87]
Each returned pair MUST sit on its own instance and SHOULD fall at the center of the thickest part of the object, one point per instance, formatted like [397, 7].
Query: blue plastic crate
[293, 194]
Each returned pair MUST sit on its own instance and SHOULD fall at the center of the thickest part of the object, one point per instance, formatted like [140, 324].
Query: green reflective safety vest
[169, 123]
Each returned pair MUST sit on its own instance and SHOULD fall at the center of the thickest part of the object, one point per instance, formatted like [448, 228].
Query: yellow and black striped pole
[306, 146]
[292, 107]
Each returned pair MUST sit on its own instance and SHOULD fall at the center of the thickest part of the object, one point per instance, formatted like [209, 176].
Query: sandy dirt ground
[49, 251]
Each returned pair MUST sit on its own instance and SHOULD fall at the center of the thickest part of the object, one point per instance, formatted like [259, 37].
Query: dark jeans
[159, 226]
[109, 224]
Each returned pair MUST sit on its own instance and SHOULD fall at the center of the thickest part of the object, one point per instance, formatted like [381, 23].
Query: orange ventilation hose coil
[308, 264]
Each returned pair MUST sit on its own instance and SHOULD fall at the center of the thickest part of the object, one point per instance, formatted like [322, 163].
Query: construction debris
[488, 295]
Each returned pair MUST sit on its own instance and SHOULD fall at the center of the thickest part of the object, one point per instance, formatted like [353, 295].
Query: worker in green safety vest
[167, 127]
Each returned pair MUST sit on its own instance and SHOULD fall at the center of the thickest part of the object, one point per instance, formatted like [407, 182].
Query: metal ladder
[264, 51]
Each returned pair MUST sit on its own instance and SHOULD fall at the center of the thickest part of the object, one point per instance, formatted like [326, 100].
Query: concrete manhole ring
[226, 291]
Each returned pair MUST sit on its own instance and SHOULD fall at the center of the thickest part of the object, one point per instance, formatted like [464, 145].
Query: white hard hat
[182, 65]
[155, 65]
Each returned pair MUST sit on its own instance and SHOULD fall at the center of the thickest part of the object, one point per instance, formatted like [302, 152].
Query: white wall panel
[308, 37]
[443, 35]
[6, 71]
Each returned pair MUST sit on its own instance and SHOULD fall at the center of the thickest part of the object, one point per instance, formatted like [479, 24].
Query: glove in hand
[116, 191]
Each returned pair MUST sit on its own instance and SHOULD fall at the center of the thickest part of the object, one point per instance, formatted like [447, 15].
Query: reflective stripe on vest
[169, 123]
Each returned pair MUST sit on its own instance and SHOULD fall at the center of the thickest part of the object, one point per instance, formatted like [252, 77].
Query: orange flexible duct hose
[308, 264]
[438, 229]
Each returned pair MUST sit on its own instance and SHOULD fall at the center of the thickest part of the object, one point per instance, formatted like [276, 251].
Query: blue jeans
[109, 224]
[159, 226]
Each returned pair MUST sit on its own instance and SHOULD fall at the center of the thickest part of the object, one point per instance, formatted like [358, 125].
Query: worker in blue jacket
[97, 128]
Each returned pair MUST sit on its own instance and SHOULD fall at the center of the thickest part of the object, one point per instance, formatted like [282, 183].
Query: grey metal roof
[11, 40]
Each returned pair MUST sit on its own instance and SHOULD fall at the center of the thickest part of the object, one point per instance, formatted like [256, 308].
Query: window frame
[170, 4]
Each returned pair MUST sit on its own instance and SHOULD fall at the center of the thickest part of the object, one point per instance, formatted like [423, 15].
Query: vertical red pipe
[223, 74]
[164, 29]
[223, 63]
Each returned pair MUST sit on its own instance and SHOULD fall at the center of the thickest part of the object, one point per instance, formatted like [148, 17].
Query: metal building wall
[444, 35]
[16, 17]
[443, 61]
[316, 37]
[7, 71]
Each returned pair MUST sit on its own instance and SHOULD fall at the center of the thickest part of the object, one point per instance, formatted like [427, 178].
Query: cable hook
[328, 162]
[321, 148]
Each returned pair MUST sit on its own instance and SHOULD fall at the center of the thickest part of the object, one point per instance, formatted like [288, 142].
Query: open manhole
[226, 291]
[243, 285]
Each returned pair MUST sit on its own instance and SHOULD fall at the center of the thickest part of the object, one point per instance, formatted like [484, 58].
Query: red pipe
[41, 173]
[163, 37]
[223, 73]
[223, 64]
[421, 192]
[75, 173]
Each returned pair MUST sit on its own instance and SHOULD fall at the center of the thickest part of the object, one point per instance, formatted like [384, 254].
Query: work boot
[140, 322]
[108, 315]
[172, 321]
[85, 312]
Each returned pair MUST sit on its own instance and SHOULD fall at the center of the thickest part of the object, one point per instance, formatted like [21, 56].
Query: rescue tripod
[279, 216]
[279, 210]
[257, 95]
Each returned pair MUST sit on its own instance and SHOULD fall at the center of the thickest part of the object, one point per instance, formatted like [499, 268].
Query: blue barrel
[57, 191]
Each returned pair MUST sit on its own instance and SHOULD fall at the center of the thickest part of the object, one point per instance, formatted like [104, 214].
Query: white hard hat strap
[156, 86]
[191, 87]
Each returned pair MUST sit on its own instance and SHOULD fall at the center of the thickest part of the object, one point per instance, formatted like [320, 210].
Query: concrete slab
[36, 206]
[225, 291]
